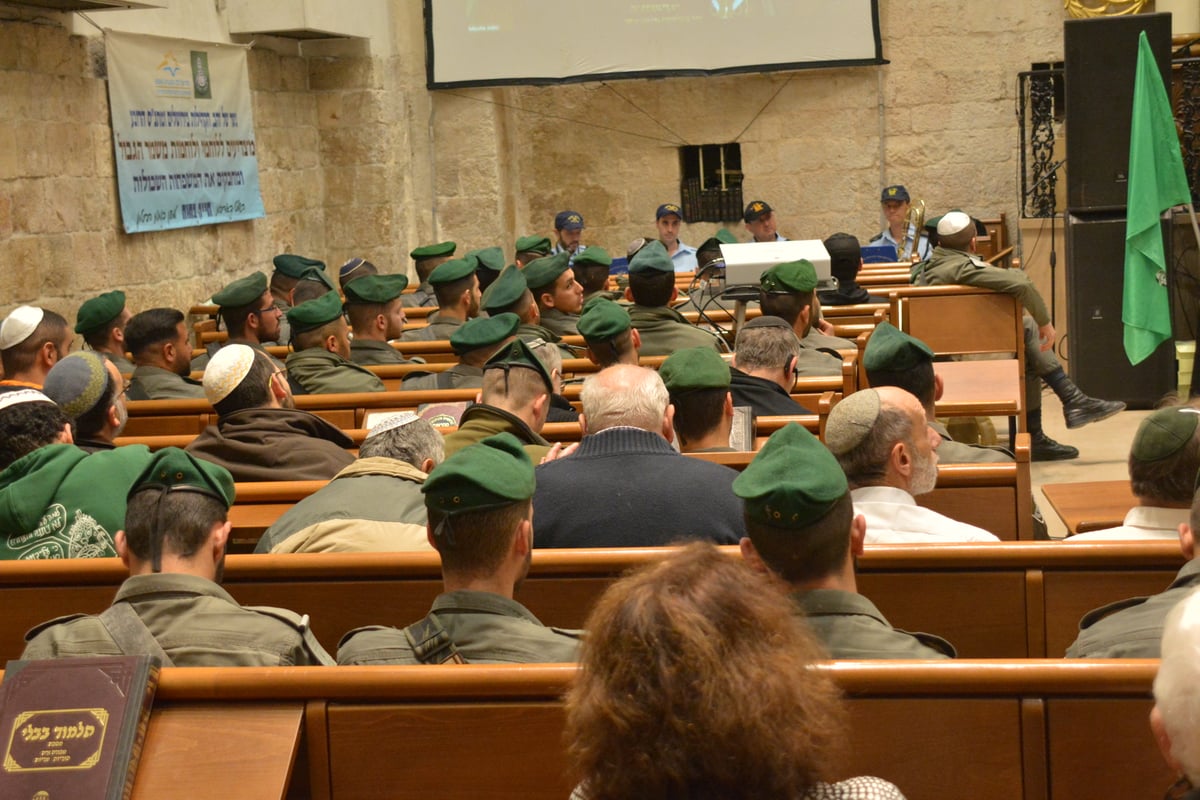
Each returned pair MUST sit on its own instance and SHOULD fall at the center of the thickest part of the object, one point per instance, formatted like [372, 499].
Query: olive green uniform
[155, 383]
[560, 322]
[1132, 628]
[195, 621]
[664, 330]
[372, 352]
[952, 452]
[851, 627]
[817, 363]
[460, 376]
[527, 332]
[423, 296]
[606, 293]
[814, 339]
[321, 372]
[481, 421]
[485, 627]
[123, 364]
[436, 329]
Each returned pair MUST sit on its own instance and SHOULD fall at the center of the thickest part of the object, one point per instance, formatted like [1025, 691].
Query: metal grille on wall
[1039, 104]
[711, 187]
[1185, 94]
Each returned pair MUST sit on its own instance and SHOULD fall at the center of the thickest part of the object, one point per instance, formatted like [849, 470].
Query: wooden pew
[1027, 729]
[1091, 505]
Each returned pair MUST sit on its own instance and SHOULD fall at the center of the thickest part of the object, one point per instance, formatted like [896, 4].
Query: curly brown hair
[695, 683]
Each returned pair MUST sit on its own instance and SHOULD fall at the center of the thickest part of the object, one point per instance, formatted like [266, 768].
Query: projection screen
[498, 42]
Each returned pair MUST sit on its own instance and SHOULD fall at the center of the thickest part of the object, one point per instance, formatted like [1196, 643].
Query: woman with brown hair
[694, 684]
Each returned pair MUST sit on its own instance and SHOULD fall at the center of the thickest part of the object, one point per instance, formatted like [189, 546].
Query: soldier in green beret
[529, 248]
[515, 399]
[376, 313]
[312, 284]
[697, 380]
[592, 269]
[489, 263]
[250, 316]
[801, 527]
[474, 343]
[320, 363]
[426, 259]
[558, 295]
[480, 522]
[289, 270]
[789, 291]
[457, 289]
[171, 606]
[709, 252]
[652, 290]
[609, 333]
[510, 294]
[101, 322]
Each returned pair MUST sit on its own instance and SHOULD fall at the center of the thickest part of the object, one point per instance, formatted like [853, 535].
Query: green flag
[1156, 182]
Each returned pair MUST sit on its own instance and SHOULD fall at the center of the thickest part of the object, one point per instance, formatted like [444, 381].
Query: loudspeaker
[1095, 285]
[1100, 56]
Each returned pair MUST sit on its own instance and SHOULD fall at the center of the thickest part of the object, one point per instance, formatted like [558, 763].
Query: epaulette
[350, 634]
[933, 642]
[1097, 614]
[36, 629]
[300, 623]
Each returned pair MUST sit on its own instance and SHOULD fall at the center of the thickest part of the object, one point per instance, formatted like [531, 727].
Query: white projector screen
[497, 42]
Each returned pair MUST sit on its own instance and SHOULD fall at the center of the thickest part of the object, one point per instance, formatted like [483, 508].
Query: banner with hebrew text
[183, 132]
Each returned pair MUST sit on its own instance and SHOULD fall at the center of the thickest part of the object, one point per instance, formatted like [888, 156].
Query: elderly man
[697, 380]
[954, 261]
[801, 527]
[426, 259]
[1176, 702]
[558, 295]
[320, 363]
[90, 391]
[568, 227]
[788, 291]
[473, 343]
[887, 451]
[162, 350]
[481, 524]
[173, 543]
[32, 340]
[250, 316]
[376, 317]
[515, 399]
[766, 360]
[760, 222]
[652, 290]
[667, 219]
[1163, 463]
[57, 501]
[101, 322]
[895, 203]
[260, 435]
[349, 515]
[609, 334]
[626, 486]
[457, 289]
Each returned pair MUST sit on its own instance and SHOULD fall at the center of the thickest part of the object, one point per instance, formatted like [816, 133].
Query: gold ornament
[1084, 9]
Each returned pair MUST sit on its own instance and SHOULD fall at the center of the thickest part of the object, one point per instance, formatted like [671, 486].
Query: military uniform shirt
[850, 626]
[817, 363]
[481, 421]
[948, 267]
[155, 383]
[952, 452]
[486, 628]
[664, 330]
[815, 339]
[436, 329]
[321, 372]
[195, 621]
[560, 322]
[123, 364]
[423, 296]
[371, 352]
[460, 376]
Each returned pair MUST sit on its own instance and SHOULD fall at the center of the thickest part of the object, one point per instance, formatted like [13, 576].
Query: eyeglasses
[260, 311]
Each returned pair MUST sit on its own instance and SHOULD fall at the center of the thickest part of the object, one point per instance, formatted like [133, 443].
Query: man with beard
[887, 450]
[481, 523]
[90, 391]
[162, 350]
[171, 606]
[250, 316]
[260, 435]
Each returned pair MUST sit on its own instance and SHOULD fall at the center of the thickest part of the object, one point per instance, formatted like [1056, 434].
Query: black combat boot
[1043, 447]
[1078, 408]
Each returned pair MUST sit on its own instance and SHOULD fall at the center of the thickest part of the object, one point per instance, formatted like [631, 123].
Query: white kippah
[19, 325]
[851, 420]
[18, 396]
[226, 370]
[391, 422]
[953, 222]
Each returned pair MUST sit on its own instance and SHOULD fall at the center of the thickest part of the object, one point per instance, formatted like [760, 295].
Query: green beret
[451, 271]
[98, 311]
[318, 275]
[517, 354]
[533, 244]
[489, 258]
[1164, 433]
[492, 473]
[851, 420]
[434, 250]
[314, 313]
[294, 266]
[242, 292]
[789, 277]
[543, 272]
[890, 348]
[593, 257]
[602, 320]
[714, 242]
[375, 288]
[651, 258]
[792, 482]
[505, 290]
[483, 332]
[694, 368]
[179, 471]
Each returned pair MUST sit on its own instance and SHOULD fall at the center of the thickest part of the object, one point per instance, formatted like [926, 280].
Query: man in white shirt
[1163, 462]
[888, 452]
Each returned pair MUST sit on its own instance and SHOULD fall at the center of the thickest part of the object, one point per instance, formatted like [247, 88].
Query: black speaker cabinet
[1100, 57]
[1095, 344]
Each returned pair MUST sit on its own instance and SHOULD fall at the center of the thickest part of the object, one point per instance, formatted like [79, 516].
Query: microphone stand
[1050, 173]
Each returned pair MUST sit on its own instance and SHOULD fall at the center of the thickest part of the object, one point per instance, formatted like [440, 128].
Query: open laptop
[745, 262]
